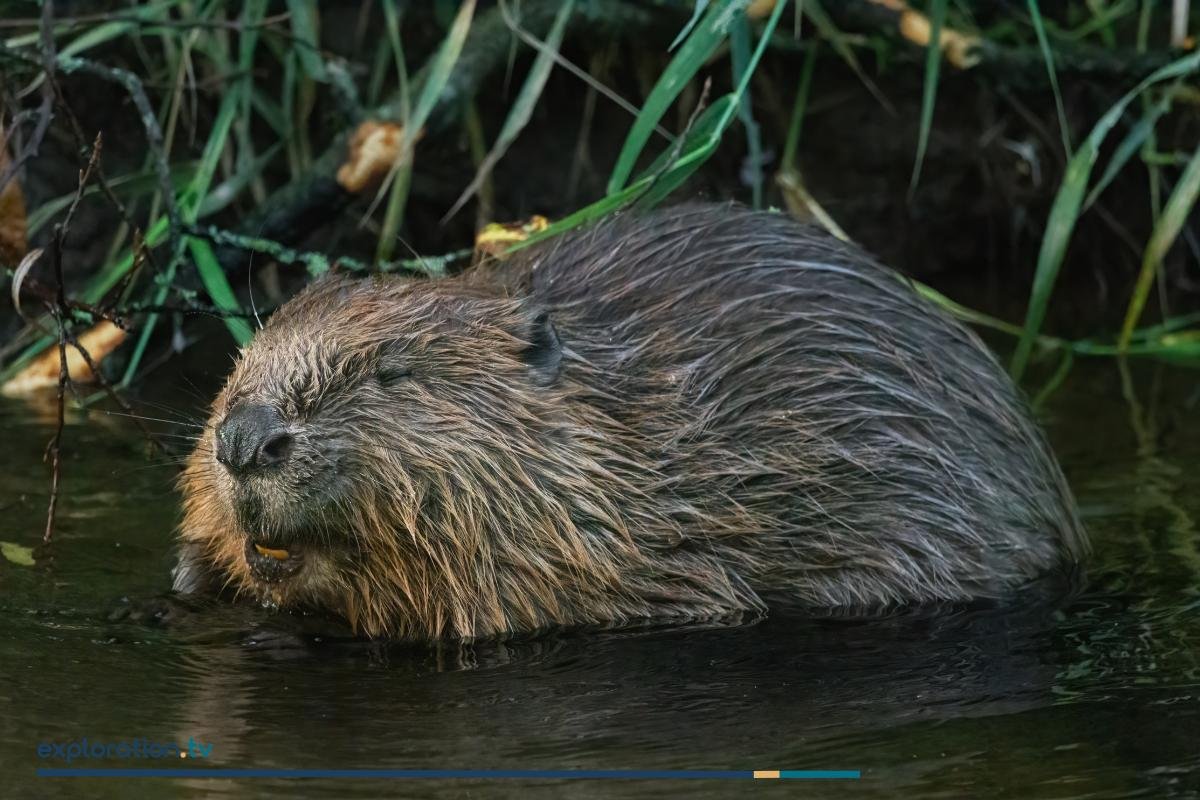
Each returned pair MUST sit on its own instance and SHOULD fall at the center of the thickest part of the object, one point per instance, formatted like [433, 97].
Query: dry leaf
[373, 151]
[42, 372]
[23, 268]
[13, 241]
[960, 49]
[760, 9]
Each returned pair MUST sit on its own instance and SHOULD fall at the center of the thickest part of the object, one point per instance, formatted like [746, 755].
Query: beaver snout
[252, 437]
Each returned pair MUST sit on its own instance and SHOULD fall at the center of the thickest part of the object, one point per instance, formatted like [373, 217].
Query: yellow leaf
[496, 237]
[17, 554]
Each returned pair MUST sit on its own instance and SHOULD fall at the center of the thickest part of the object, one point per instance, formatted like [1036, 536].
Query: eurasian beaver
[671, 416]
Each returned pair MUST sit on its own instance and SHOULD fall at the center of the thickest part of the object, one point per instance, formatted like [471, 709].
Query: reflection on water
[1093, 696]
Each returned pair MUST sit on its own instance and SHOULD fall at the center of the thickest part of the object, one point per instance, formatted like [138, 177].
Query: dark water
[1094, 697]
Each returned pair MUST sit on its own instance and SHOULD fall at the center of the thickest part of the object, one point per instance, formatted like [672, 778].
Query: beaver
[667, 417]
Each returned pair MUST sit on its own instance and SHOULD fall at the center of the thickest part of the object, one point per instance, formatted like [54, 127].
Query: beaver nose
[252, 437]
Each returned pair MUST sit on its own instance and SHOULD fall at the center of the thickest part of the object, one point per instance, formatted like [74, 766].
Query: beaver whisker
[152, 419]
[173, 463]
[191, 437]
[196, 413]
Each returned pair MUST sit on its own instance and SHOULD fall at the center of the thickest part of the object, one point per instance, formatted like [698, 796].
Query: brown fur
[694, 413]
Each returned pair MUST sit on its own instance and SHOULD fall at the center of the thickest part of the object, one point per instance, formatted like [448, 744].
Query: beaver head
[395, 450]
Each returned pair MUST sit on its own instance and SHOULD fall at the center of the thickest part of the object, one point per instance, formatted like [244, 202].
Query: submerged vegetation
[156, 153]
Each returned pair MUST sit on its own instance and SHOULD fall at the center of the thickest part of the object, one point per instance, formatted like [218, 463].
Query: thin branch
[54, 447]
[142, 253]
[58, 310]
[154, 135]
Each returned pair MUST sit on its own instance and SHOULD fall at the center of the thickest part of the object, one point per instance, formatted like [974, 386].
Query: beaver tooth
[278, 555]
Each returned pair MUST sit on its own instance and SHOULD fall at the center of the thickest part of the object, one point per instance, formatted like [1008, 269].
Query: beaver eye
[390, 374]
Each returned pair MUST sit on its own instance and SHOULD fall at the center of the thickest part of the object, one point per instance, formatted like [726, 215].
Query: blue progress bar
[587, 774]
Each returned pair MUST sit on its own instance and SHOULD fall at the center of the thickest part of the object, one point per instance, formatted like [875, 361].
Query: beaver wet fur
[675, 416]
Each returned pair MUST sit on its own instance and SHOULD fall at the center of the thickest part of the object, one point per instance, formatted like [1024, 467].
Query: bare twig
[53, 450]
[141, 253]
[154, 135]
[85, 175]
[47, 294]
[320, 263]
[196, 308]
[137, 93]
[59, 310]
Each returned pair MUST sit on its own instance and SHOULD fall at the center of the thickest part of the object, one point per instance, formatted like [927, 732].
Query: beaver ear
[544, 353]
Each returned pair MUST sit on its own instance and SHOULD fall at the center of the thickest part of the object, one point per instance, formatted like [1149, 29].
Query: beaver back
[781, 377]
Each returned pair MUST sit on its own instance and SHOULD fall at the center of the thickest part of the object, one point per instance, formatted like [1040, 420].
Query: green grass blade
[139, 349]
[1064, 213]
[379, 67]
[1143, 28]
[98, 34]
[1055, 381]
[791, 145]
[303, 15]
[226, 192]
[391, 17]
[661, 178]
[190, 203]
[695, 51]
[933, 63]
[209, 268]
[252, 16]
[702, 141]
[213, 148]
[271, 112]
[1132, 142]
[288, 94]
[965, 313]
[218, 288]
[1170, 222]
[443, 64]
[131, 184]
[1039, 27]
[1172, 325]
[830, 32]
[107, 278]
[93, 37]
[398, 181]
[522, 108]
[666, 175]
[697, 12]
[739, 52]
